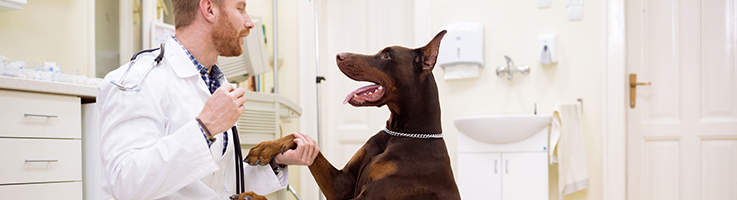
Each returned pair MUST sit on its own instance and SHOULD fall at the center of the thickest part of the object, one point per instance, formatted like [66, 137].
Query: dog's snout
[341, 56]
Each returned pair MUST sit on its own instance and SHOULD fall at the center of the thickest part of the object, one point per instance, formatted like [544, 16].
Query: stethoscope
[239, 180]
[135, 87]
[240, 186]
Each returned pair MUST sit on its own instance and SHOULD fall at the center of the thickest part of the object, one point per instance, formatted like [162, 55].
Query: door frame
[614, 103]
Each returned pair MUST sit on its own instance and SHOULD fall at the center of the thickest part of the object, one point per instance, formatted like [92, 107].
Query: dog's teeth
[355, 95]
[370, 92]
[379, 87]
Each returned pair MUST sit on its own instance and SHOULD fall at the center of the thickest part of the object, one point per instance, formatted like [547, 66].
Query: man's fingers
[306, 157]
[309, 149]
[238, 92]
[226, 87]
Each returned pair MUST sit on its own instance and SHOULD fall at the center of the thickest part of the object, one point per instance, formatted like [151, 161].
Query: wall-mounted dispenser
[462, 50]
[546, 53]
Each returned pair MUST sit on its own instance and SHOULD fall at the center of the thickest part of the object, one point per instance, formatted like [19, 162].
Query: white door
[682, 134]
[358, 26]
[524, 175]
[480, 175]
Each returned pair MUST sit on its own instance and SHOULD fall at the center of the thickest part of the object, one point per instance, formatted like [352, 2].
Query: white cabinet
[42, 146]
[518, 175]
[41, 142]
[511, 171]
[525, 175]
[480, 175]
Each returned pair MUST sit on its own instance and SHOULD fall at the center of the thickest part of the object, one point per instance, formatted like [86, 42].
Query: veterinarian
[170, 137]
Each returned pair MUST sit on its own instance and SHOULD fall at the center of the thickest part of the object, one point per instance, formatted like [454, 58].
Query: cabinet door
[525, 176]
[479, 175]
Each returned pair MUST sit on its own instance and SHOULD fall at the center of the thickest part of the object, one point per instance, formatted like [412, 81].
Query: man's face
[233, 24]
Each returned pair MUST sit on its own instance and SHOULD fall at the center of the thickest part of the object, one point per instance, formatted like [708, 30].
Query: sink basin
[501, 129]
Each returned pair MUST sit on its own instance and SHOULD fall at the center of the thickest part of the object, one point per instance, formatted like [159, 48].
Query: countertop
[86, 92]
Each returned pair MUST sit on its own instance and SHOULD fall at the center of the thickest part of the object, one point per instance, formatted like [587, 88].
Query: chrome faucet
[510, 69]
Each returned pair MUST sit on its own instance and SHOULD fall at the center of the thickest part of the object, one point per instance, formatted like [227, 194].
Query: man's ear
[430, 52]
[207, 8]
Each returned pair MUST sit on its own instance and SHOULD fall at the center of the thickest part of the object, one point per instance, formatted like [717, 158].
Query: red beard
[227, 38]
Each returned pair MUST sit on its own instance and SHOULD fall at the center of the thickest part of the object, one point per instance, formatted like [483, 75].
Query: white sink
[501, 129]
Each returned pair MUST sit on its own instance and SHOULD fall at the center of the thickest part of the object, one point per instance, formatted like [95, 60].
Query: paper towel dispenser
[462, 50]
[463, 43]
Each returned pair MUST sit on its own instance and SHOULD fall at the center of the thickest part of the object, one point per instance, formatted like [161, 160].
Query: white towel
[568, 148]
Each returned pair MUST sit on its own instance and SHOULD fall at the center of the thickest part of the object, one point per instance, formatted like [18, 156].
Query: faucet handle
[510, 63]
[524, 70]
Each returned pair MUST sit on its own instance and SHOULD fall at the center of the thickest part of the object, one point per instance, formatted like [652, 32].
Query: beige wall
[48, 30]
[511, 28]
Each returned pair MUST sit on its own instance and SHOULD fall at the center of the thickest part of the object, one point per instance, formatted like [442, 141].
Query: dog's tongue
[362, 93]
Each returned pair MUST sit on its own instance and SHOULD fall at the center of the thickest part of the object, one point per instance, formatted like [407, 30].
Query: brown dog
[408, 159]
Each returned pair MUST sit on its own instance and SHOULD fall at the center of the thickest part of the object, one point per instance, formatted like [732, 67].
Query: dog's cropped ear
[430, 52]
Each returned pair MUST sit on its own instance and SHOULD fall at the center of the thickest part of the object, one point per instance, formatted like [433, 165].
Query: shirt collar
[216, 73]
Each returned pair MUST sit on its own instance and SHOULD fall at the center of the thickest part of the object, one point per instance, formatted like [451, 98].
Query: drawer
[68, 190]
[40, 160]
[27, 114]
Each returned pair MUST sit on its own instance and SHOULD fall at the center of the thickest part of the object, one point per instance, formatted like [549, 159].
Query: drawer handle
[37, 160]
[39, 115]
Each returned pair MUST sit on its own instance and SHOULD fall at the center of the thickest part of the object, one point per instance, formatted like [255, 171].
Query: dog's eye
[385, 56]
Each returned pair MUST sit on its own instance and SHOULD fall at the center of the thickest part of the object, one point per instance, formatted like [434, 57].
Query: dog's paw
[248, 196]
[264, 152]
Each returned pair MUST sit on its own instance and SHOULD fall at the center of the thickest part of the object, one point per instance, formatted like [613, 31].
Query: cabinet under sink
[504, 171]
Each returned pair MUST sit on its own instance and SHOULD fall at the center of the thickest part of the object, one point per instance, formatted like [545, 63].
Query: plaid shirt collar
[212, 80]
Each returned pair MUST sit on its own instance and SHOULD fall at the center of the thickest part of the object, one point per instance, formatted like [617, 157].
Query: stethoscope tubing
[157, 60]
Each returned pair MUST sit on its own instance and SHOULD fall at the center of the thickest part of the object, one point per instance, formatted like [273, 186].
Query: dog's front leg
[335, 184]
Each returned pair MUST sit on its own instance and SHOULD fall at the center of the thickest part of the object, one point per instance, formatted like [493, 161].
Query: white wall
[511, 28]
[49, 30]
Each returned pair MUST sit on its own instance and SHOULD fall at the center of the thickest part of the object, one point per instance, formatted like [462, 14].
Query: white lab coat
[151, 144]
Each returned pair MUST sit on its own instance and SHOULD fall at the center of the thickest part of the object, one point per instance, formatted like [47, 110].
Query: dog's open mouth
[369, 93]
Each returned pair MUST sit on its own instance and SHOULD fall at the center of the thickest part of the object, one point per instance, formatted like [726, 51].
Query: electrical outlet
[574, 2]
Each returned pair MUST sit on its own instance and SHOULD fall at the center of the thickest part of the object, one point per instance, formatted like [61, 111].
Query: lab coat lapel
[182, 66]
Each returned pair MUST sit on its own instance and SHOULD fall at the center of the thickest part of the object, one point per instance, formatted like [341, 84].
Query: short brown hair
[186, 10]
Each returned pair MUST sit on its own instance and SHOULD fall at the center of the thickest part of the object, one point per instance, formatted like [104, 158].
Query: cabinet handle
[41, 160]
[495, 161]
[39, 115]
[507, 167]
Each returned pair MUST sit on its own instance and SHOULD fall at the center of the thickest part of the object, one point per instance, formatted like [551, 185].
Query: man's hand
[305, 153]
[223, 108]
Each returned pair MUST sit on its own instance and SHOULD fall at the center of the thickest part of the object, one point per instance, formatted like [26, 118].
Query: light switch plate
[574, 2]
[575, 12]
[544, 3]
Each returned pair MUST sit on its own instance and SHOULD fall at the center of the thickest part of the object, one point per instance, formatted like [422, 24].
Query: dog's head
[396, 72]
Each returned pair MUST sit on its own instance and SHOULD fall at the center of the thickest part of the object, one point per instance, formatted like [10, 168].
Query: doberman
[408, 159]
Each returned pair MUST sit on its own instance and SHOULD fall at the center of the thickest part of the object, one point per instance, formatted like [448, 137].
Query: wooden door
[682, 133]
